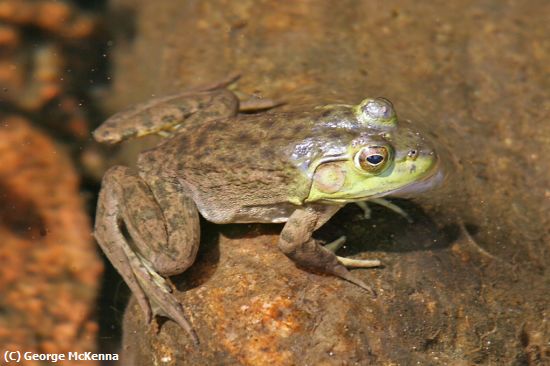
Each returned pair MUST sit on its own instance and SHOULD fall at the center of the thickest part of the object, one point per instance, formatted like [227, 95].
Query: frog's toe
[166, 305]
[158, 299]
[336, 244]
[342, 272]
[390, 206]
[220, 84]
[365, 208]
[163, 303]
[359, 263]
[350, 262]
[257, 105]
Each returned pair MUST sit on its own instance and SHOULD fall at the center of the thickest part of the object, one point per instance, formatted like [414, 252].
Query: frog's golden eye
[371, 159]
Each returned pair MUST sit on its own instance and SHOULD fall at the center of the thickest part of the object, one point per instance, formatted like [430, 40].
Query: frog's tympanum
[297, 167]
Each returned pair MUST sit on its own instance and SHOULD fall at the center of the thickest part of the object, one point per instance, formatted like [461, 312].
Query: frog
[216, 159]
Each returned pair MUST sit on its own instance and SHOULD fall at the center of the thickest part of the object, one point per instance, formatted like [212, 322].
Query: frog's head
[376, 163]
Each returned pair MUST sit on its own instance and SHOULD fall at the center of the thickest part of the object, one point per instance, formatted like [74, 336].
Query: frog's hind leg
[158, 247]
[296, 242]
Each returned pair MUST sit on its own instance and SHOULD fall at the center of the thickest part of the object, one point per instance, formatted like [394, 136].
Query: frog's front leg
[163, 243]
[384, 203]
[296, 242]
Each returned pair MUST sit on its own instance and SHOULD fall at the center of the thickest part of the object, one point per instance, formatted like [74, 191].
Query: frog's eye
[371, 159]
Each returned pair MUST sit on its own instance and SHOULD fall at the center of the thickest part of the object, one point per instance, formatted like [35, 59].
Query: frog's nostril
[412, 154]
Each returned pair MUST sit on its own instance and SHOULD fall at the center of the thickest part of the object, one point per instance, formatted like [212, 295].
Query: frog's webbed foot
[296, 242]
[160, 245]
[384, 203]
[156, 294]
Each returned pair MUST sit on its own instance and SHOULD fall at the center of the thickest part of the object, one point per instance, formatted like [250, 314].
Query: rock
[462, 282]
[50, 268]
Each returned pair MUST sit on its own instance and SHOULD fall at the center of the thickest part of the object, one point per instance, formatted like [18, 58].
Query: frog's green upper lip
[431, 180]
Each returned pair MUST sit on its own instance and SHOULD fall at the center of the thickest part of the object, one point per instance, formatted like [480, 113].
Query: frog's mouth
[330, 187]
[430, 181]
[434, 178]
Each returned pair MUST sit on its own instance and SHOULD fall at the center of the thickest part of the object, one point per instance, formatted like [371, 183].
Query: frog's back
[235, 164]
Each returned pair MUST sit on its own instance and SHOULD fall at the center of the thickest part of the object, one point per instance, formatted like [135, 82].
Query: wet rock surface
[468, 281]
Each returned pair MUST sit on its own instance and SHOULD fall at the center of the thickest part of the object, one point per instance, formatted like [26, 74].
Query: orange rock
[52, 15]
[9, 37]
[81, 28]
[45, 241]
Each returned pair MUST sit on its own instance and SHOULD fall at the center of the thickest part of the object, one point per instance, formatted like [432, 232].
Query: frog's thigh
[168, 243]
[296, 242]
[180, 225]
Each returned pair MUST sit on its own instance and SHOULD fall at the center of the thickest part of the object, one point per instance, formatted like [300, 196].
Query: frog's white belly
[265, 214]
[247, 214]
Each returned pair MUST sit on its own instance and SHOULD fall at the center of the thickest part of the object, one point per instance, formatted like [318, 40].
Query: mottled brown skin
[245, 168]
[163, 114]
[164, 227]
[247, 160]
